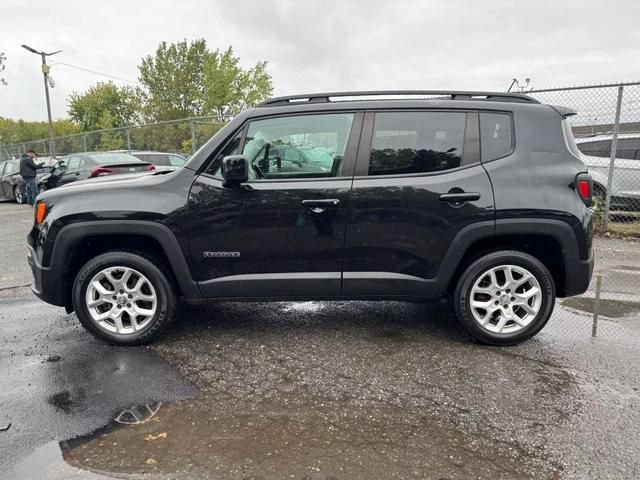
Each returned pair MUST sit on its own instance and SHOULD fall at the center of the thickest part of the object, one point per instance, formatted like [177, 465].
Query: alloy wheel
[121, 300]
[505, 299]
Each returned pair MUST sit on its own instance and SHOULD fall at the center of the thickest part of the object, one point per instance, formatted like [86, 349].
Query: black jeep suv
[478, 197]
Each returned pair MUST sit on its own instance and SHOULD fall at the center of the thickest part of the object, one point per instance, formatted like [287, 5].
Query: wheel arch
[75, 244]
[551, 241]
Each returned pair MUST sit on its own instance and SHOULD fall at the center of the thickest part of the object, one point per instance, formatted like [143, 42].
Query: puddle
[189, 438]
[608, 308]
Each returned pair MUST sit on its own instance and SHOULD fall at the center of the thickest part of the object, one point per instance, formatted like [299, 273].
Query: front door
[418, 182]
[282, 233]
[72, 171]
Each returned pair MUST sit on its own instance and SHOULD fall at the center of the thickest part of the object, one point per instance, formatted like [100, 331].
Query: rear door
[282, 233]
[418, 183]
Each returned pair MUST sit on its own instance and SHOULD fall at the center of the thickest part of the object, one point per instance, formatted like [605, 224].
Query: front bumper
[47, 283]
[578, 275]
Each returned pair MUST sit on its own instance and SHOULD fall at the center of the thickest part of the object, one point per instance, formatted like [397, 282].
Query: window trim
[364, 150]
[351, 148]
[513, 133]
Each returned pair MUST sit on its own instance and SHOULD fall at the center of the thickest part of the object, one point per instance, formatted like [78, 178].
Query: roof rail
[446, 94]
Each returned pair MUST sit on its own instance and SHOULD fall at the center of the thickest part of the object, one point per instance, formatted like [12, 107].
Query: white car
[625, 189]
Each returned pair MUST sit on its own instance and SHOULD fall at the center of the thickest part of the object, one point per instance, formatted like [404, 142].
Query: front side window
[496, 136]
[301, 146]
[416, 142]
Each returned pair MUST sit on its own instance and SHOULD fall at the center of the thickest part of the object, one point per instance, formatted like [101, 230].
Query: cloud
[324, 45]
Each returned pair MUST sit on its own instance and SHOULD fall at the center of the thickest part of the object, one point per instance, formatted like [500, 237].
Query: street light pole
[45, 73]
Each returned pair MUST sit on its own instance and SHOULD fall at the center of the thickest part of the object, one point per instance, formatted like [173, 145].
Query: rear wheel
[123, 298]
[17, 194]
[504, 298]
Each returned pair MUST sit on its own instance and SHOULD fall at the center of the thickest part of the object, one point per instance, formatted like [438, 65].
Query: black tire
[460, 298]
[18, 195]
[166, 297]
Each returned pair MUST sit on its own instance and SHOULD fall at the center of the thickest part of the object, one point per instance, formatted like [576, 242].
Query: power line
[97, 73]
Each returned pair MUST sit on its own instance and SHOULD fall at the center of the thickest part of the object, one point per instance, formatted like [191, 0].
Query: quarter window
[496, 135]
[416, 142]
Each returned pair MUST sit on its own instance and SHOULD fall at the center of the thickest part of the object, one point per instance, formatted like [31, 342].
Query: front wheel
[123, 298]
[504, 298]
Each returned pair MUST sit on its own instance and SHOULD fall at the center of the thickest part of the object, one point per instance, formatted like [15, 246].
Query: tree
[16, 131]
[174, 80]
[105, 105]
[188, 80]
[3, 59]
[229, 89]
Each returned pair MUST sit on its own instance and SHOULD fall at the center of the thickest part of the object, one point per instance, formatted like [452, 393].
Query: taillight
[149, 168]
[101, 171]
[584, 187]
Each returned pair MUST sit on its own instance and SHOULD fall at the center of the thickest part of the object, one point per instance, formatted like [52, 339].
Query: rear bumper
[47, 284]
[578, 275]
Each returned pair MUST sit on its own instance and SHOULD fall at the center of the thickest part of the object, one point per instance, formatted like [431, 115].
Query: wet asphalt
[318, 390]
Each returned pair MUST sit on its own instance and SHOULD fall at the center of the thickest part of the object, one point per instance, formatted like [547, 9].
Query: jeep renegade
[477, 197]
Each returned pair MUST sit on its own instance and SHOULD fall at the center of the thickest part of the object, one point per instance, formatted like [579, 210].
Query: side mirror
[235, 170]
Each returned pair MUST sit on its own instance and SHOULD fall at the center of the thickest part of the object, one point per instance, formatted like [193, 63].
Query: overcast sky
[325, 45]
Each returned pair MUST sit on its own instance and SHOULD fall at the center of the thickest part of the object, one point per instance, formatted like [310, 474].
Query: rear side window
[416, 142]
[496, 135]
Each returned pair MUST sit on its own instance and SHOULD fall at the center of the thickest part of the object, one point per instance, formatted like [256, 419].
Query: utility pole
[47, 81]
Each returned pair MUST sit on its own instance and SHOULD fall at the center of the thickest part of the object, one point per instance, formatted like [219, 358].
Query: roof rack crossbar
[452, 95]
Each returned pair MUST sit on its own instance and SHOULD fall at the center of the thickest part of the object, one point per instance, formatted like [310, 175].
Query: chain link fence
[183, 137]
[607, 132]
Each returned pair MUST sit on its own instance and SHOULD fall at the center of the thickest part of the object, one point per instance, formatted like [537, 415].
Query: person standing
[28, 169]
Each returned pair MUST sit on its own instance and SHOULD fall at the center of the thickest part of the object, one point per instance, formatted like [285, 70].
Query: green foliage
[16, 131]
[174, 80]
[188, 80]
[228, 89]
[105, 105]
[597, 210]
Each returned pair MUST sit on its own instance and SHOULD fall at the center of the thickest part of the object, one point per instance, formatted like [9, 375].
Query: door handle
[319, 206]
[459, 197]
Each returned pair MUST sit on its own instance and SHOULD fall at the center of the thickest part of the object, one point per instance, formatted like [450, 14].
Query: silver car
[625, 189]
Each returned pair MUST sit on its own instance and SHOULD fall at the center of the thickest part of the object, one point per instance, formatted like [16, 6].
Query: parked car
[12, 186]
[80, 166]
[478, 197]
[161, 160]
[625, 189]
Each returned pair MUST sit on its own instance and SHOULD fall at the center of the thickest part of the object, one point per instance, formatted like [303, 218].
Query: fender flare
[70, 234]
